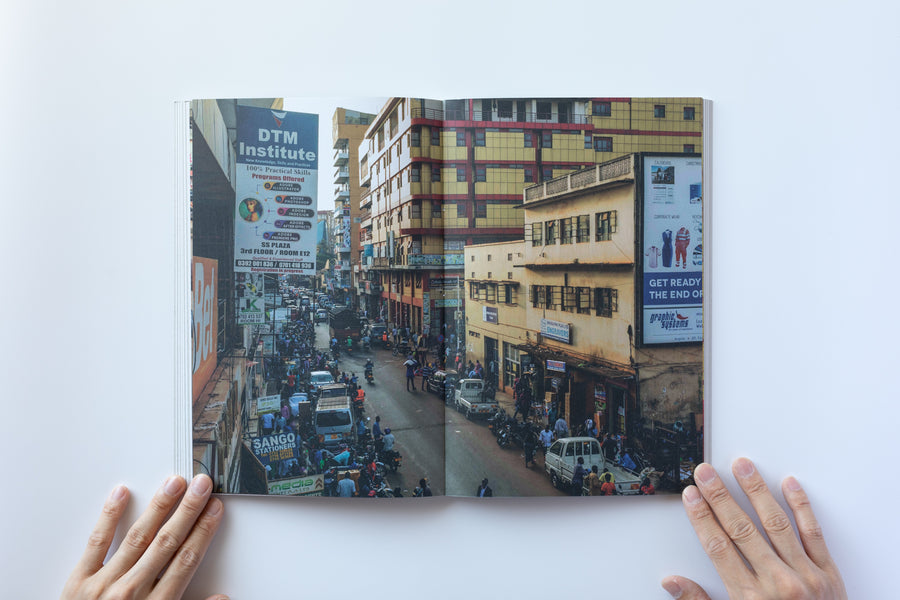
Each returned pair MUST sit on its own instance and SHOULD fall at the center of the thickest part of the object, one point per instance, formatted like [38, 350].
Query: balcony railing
[364, 214]
[580, 179]
[512, 116]
[341, 157]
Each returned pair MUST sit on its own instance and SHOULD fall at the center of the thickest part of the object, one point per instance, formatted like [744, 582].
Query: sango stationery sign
[672, 249]
[276, 176]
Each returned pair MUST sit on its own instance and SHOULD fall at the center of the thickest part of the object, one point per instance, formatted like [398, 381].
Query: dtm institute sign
[276, 177]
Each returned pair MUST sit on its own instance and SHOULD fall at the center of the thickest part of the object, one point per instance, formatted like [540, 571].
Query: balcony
[364, 214]
[342, 194]
[494, 116]
[365, 200]
[615, 172]
[342, 175]
[341, 157]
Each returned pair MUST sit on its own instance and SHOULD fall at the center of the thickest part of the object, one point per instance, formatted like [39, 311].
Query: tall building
[348, 129]
[440, 175]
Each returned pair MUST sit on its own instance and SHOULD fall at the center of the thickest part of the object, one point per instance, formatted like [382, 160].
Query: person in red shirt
[647, 488]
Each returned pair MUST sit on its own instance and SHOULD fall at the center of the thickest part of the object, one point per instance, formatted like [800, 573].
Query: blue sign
[671, 289]
[277, 138]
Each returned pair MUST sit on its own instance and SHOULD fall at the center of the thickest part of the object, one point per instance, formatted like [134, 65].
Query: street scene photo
[401, 297]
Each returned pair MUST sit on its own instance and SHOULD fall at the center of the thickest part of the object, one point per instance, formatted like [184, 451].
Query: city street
[424, 428]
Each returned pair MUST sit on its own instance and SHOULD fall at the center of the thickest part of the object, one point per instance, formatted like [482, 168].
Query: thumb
[684, 589]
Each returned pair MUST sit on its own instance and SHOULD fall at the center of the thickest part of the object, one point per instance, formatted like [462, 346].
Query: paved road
[425, 428]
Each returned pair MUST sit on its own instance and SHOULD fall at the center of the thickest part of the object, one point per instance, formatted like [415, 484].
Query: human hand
[158, 556]
[784, 567]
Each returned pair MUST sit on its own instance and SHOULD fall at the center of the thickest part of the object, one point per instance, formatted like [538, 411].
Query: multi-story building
[441, 175]
[348, 129]
[571, 300]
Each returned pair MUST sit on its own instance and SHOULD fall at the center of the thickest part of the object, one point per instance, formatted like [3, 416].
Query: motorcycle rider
[388, 440]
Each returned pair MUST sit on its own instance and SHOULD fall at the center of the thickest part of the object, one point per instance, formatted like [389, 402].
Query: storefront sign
[266, 404]
[274, 448]
[300, 486]
[489, 314]
[556, 330]
[556, 365]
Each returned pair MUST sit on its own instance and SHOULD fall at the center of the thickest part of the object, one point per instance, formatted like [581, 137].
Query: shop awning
[574, 362]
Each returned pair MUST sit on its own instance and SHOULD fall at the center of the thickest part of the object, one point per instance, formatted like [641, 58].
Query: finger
[171, 535]
[141, 534]
[104, 531]
[734, 521]
[774, 520]
[683, 588]
[807, 525]
[187, 559]
[716, 543]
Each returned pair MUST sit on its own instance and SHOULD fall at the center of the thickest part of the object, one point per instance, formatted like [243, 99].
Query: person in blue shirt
[346, 487]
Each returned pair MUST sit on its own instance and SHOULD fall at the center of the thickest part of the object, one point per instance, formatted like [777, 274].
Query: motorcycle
[392, 459]
[370, 376]
[497, 421]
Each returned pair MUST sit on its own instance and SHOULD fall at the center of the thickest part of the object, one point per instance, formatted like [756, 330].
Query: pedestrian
[376, 429]
[609, 447]
[484, 490]
[268, 423]
[529, 443]
[346, 487]
[427, 371]
[410, 374]
[423, 489]
[546, 439]
[593, 481]
[560, 428]
[578, 477]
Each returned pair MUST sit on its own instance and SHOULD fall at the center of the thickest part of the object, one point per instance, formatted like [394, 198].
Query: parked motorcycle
[392, 459]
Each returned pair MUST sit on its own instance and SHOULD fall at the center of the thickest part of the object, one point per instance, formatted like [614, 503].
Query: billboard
[276, 176]
[672, 274]
[204, 321]
[249, 298]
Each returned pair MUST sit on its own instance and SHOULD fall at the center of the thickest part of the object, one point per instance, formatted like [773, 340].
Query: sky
[325, 107]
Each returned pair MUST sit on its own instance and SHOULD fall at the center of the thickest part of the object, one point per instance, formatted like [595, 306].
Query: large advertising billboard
[204, 317]
[276, 177]
[672, 249]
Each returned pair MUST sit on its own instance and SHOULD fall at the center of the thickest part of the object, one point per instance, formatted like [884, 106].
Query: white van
[333, 421]
[563, 454]
[472, 399]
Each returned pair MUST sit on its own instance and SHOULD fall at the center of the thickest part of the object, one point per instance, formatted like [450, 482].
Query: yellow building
[348, 129]
[570, 302]
[496, 303]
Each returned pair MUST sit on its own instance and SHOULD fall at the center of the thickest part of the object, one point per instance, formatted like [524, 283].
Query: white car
[319, 378]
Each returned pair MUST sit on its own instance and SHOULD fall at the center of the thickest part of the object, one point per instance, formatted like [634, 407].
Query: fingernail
[671, 586]
[691, 495]
[743, 468]
[214, 507]
[792, 484]
[704, 473]
[172, 486]
[201, 485]
[117, 494]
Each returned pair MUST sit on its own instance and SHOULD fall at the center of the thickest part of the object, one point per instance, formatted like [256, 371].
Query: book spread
[395, 297]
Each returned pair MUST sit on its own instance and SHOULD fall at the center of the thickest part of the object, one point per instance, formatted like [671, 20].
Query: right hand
[781, 567]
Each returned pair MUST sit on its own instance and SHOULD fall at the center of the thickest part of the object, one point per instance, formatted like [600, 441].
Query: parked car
[472, 399]
[319, 378]
[563, 454]
[300, 405]
[443, 383]
[321, 315]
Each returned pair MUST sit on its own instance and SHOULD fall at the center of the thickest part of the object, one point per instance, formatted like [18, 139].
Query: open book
[473, 297]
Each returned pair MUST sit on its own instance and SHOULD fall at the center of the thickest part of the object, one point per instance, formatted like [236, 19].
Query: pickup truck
[563, 454]
[471, 398]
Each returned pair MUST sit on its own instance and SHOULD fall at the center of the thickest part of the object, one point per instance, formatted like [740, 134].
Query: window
[415, 173]
[547, 174]
[544, 111]
[606, 226]
[529, 141]
[435, 136]
[520, 111]
[547, 139]
[554, 297]
[688, 148]
[603, 144]
[473, 288]
[529, 175]
[584, 228]
[587, 141]
[415, 211]
[536, 230]
[436, 210]
[570, 301]
[567, 230]
[552, 232]
[584, 300]
[491, 292]
[602, 109]
[480, 174]
[481, 213]
[509, 295]
[435, 173]
[504, 109]
[606, 301]
[688, 113]
[488, 256]
[460, 210]
[460, 138]
[415, 138]
[479, 138]
[460, 173]
[659, 111]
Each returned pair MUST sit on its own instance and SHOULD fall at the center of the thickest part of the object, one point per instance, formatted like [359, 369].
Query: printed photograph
[402, 297]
